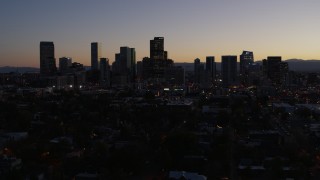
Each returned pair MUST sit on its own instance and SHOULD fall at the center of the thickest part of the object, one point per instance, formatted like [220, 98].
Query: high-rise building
[64, 64]
[124, 67]
[273, 68]
[154, 67]
[229, 70]
[133, 69]
[197, 70]
[95, 55]
[246, 59]
[104, 72]
[157, 49]
[47, 59]
[139, 70]
[211, 68]
[125, 60]
[116, 64]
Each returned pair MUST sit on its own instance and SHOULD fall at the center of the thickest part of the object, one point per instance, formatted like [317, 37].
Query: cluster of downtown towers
[157, 68]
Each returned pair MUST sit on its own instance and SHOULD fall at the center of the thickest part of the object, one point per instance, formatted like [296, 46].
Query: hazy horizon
[192, 29]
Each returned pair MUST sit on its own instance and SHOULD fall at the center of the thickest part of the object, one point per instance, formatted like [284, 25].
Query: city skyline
[192, 29]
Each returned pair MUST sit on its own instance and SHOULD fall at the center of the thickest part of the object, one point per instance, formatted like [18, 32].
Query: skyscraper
[47, 59]
[197, 70]
[64, 64]
[157, 49]
[124, 66]
[133, 69]
[229, 70]
[246, 59]
[154, 67]
[95, 55]
[104, 72]
[273, 68]
[125, 60]
[211, 68]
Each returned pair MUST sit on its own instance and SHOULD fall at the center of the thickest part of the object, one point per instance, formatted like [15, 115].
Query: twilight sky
[191, 28]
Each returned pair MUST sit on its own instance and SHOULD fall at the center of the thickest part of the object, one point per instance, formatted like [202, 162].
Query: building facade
[210, 69]
[95, 55]
[246, 60]
[273, 68]
[47, 59]
[64, 65]
[229, 70]
[105, 72]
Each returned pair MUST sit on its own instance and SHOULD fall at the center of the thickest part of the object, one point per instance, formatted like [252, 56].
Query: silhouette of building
[133, 68]
[210, 68]
[74, 77]
[104, 72]
[124, 67]
[200, 74]
[125, 60]
[64, 65]
[246, 60]
[153, 68]
[157, 49]
[229, 70]
[47, 59]
[272, 68]
[95, 55]
[175, 75]
[197, 70]
[139, 70]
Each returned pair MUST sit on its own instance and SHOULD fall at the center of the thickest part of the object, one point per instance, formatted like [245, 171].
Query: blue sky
[192, 28]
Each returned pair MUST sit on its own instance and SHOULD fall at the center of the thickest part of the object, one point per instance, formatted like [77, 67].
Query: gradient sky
[192, 28]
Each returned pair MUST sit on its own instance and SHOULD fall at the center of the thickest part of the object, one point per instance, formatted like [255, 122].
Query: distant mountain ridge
[294, 65]
[304, 65]
[9, 69]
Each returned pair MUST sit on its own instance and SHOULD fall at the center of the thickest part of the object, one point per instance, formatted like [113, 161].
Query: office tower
[197, 70]
[229, 70]
[211, 68]
[95, 55]
[154, 67]
[246, 59]
[133, 70]
[139, 69]
[104, 72]
[79, 73]
[157, 58]
[157, 49]
[47, 59]
[116, 64]
[273, 68]
[124, 67]
[125, 60]
[64, 65]
[147, 68]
